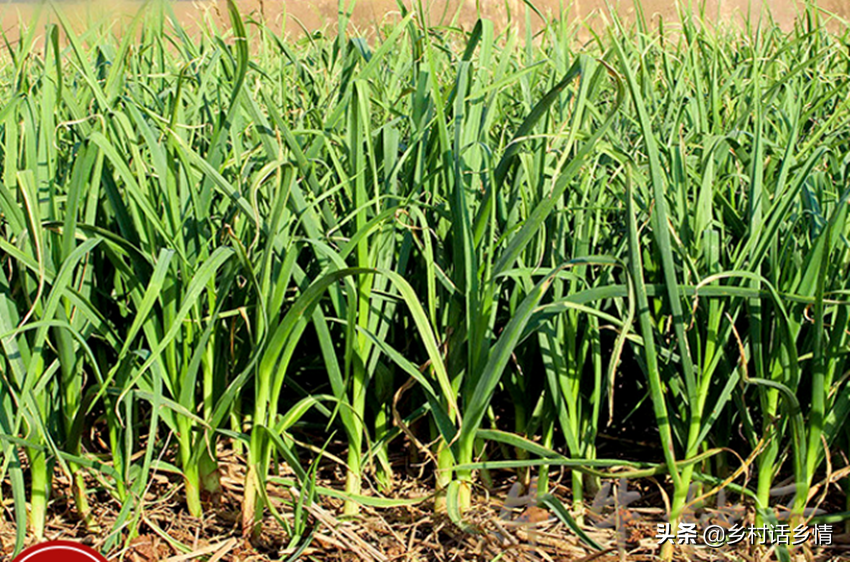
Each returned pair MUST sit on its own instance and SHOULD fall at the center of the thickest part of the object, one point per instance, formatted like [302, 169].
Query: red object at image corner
[59, 551]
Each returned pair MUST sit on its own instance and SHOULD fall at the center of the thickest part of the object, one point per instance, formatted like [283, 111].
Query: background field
[312, 15]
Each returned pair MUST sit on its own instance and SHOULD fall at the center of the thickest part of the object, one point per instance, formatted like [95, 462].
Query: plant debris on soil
[505, 524]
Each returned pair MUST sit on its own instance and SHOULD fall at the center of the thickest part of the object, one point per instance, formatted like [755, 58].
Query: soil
[503, 523]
